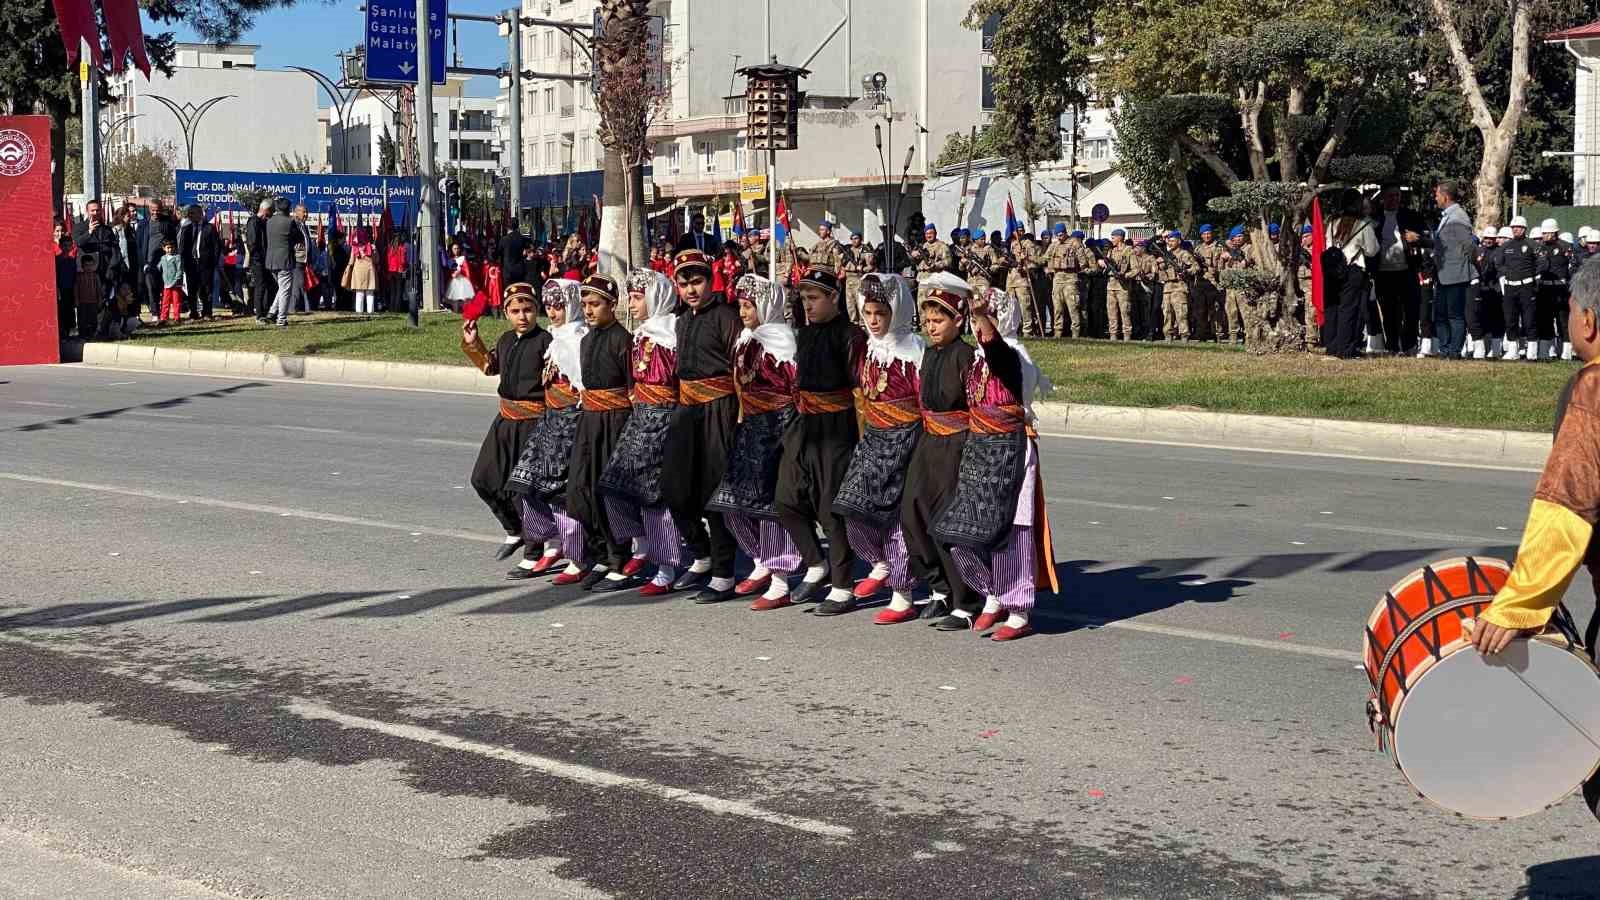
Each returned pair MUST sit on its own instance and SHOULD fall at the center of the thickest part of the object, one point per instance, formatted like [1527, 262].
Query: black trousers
[933, 472]
[262, 288]
[1342, 334]
[1398, 307]
[816, 455]
[1480, 302]
[694, 461]
[1519, 304]
[152, 290]
[496, 458]
[1550, 312]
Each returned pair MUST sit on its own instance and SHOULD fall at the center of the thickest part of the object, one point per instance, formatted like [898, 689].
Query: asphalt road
[253, 643]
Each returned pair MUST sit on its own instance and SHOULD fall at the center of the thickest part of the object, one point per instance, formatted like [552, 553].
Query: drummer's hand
[1488, 637]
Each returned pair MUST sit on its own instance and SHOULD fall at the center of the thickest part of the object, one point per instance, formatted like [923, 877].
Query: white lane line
[1200, 635]
[1101, 504]
[121, 383]
[252, 507]
[309, 428]
[37, 403]
[81, 367]
[445, 443]
[1319, 453]
[1419, 535]
[571, 771]
[156, 415]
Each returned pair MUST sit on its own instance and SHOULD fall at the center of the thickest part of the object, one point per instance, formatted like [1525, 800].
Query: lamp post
[874, 87]
[344, 102]
[189, 116]
[1516, 195]
[109, 131]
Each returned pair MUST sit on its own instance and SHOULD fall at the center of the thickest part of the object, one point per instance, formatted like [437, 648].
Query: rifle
[971, 260]
[1105, 259]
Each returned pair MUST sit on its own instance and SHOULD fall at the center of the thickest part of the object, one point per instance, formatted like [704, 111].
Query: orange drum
[1486, 737]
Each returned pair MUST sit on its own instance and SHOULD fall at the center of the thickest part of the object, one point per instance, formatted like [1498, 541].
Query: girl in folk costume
[462, 289]
[763, 369]
[541, 473]
[996, 522]
[361, 276]
[869, 498]
[631, 484]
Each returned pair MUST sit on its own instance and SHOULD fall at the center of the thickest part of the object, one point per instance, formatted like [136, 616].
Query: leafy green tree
[388, 153]
[958, 147]
[148, 167]
[298, 163]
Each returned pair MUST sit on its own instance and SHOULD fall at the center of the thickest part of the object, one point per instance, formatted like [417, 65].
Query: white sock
[526, 564]
[614, 576]
[1017, 620]
[879, 572]
[934, 597]
[778, 588]
[991, 604]
[899, 602]
[759, 572]
[961, 612]
[815, 573]
[572, 569]
[665, 575]
[552, 548]
[700, 566]
[838, 595]
[638, 556]
[601, 569]
[512, 539]
[721, 584]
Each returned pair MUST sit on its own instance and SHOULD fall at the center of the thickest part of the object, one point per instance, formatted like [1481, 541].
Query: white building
[464, 132]
[1583, 43]
[268, 113]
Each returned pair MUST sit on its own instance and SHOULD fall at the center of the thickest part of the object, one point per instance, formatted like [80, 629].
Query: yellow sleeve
[1553, 545]
[481, 356]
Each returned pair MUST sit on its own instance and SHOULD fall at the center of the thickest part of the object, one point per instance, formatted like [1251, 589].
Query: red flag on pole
[76, 21]
[1319, 242]
[126, 34]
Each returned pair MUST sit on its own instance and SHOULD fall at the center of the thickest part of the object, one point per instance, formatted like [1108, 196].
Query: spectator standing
[1398, 299]
[171, 267]
[396, 266]
[125, 227]
[338, 264]
[513, 259]
[230, 269]
[1453, 257]
[97, 250]
[66, 276]
[199, 249]
[726, 270]
[698, 239]
[361, 275]
[283, 243]
[298, 297]
[255, 241]
[1351, 240]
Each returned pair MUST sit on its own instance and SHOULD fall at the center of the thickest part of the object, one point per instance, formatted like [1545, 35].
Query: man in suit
[97, 242]
[1453, 252]
[255, 239]
[283, 239]
[161, 227]
[1398, 295]
[200, 248]
[697, 239]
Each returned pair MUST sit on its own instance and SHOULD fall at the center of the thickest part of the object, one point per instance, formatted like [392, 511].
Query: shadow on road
[1576, 877]
[157, 405]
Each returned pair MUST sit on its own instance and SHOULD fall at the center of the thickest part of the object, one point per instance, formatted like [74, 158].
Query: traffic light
[772, 105]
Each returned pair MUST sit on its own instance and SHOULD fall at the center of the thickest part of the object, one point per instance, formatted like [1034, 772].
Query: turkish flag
[126, 34]
[78, 24]
[1319, 243]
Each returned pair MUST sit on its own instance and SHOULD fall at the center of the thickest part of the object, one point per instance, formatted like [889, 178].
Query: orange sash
[944, 424]
[754, 403]
[891, 413]
[998, 419]
[816, 403]
[698, 391]
[654, 394]
[518, 410]
[560, 395]
[606, 399]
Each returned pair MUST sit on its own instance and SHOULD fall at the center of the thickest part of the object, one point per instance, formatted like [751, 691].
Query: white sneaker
[1566, 350]
[1425, 350]
[1480, 348]
[1511, 350]
[1374, 343]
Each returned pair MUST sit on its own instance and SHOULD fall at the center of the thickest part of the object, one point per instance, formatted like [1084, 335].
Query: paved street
[253, 643]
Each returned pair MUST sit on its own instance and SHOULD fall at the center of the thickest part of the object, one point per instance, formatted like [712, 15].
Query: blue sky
[311, 32]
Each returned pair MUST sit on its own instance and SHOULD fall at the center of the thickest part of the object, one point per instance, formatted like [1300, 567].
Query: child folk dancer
[996, 520]
[541, 473]
[936, 463]
[518, 358]
[701, 433]
[818, 446]
[604, 363]
[763, 367]
[631, 486]
[869, 497]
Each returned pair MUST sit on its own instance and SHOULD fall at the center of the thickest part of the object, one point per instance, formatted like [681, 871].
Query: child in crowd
[171, 283]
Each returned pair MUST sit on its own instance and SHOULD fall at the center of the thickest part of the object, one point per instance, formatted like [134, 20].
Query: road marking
[39, 403]
[309, 428]
[82, 367]
[445, 443]
[156, 415]
[1319, 453]
[121, 383]
[251, 507]
[1199, 635]
[1462, 539]
[1101, 504]
[571, 771]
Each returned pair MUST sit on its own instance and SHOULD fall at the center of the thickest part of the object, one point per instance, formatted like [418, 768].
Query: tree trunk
[614, 230]
[1498, 137]
[1489, 186]
[1180, 181]
[1027, 196]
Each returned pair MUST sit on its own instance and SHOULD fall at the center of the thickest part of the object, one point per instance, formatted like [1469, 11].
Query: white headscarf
[661, 301]
[565, 339]
[902, 341]
[1007, 313]
[775, 334]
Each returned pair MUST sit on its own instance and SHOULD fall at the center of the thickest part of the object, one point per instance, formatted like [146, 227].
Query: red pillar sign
[27, 264]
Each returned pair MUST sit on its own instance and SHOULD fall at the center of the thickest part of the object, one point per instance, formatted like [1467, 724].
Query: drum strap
[1412, 628]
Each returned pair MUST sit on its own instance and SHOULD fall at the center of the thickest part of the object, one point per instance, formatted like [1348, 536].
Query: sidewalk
[1376, 440]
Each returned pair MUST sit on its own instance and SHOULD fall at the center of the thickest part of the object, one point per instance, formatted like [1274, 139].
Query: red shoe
[634, 566]
[1007, 633]
[894, 617]
[655, 590]
[767, 604]
[986, 621]
[748, 587]
[566, 578]
[868, 588]
[548, 562]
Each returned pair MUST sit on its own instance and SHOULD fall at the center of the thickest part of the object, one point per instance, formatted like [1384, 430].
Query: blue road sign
[392, 39]
[1100, 213]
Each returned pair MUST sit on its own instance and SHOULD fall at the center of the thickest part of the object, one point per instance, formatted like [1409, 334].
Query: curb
[1377, 440]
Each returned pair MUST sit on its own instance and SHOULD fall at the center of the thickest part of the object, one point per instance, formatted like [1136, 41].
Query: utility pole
[90, 80]
[427, 199]
[514, 131]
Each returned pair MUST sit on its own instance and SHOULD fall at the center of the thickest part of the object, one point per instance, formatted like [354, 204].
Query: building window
[549, 100]
[1098, 148]
[550, 154]
[455, 121]
[568, 105]
[741, 155]
[988, 87]
[672, 158]
[991, 25]
[588, 152]
[549, 42]
[455, 149]
[708, 157]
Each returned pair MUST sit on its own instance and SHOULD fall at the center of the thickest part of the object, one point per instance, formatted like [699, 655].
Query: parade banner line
[343, 194]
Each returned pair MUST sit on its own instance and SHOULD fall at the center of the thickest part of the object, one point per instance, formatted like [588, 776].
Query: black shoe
[953, 622]
[590, 579]
[809, 592]
[616, 585]
[709, 596]
[935, 608]
[690, 580]
[835, 607]
[505, 551]
[521, 573]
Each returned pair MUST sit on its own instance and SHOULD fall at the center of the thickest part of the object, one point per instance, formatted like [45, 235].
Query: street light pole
[514, 131]
[1516, 181]
[427, 199]
[189, 116]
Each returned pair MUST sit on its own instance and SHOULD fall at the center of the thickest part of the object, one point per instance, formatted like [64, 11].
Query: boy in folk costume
[703, 423]
[763, 367]
[540, 477]
[869, 497]
[632, 484]
[996, 520]
[518, 358]
[936, 463]
[818, 445]
[605, 372]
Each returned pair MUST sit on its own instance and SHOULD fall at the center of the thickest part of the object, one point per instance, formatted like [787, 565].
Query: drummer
[1559, 536]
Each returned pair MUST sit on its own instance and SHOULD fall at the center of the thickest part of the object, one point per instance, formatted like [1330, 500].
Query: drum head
[1504, 737]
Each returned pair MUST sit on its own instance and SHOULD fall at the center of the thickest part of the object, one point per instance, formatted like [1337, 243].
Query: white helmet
[1583, 232]
[1549, 225]
[1536, 232]
[1489, 232]
[1519, 221]
[1566, 237]
[1505, 233]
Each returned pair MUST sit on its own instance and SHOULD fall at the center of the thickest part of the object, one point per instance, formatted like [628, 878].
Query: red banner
[27, 267]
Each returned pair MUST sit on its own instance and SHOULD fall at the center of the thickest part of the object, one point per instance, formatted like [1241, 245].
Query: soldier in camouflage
[1064, 260]
[1236, 254]
[856, 260]
[1174, 269]
[1122, 268]
[826, 253]
[933, 256]
[1308, 310]
[1206, 300]
[1019, 281]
